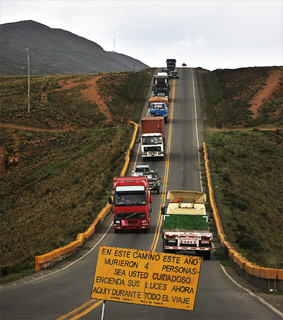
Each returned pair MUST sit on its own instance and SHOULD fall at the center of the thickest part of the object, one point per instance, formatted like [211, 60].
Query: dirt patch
[272, 85]
[90, 93]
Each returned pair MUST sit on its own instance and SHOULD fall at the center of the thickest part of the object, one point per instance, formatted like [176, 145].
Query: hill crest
[56, 51]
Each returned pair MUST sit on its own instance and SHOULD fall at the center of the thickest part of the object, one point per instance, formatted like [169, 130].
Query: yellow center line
[75, 313]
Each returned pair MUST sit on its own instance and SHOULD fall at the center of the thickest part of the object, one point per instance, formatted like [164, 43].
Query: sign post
[145, 277]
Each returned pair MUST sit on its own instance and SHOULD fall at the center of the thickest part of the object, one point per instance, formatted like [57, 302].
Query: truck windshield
[123, 199]
[157, 106]
[151, 140]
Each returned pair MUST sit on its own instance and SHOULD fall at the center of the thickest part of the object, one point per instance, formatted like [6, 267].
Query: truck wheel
[157, 190]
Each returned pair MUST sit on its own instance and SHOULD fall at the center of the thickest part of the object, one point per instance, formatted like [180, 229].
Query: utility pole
[28, 82]
[114, 44]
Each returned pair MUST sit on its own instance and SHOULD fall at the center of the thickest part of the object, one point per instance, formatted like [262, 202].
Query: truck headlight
[143, 221]
[117, 221]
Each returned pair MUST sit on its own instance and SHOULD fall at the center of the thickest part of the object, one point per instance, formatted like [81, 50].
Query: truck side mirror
[110, 200]
[150, 199]
[163, 210]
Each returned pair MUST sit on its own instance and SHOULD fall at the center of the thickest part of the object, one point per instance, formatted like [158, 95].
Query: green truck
[185, 223]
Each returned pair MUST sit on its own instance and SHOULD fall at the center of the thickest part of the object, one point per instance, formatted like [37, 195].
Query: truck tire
[157, 190]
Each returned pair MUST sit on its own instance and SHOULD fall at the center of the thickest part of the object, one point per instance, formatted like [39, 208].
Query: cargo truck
[171, 64]
[161, 83]
[185, 223]
[131, 203]
[155, 99]
[158, 109]
[152, 137]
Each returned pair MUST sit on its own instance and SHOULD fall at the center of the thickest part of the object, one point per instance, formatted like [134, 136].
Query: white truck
[152, 137]
[185, 223]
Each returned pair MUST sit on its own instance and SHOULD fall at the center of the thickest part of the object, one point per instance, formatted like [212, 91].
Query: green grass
[63, 178]
[248, 169]
[226, 96]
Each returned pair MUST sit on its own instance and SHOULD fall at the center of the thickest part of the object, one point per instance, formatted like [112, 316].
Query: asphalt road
[64, 291]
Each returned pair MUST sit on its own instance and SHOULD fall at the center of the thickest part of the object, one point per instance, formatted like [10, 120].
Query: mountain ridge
[56, 51]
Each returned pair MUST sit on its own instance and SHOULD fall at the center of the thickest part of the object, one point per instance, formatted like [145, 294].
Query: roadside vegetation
[245, 149]
[58, 161]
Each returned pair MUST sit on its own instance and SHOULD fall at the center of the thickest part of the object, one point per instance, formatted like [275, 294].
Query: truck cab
[131, 202]
[158, 109]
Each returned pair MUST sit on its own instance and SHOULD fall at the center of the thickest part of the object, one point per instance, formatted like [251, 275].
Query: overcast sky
[204, 33]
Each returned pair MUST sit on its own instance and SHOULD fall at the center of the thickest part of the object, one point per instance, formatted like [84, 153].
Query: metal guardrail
[267, 278]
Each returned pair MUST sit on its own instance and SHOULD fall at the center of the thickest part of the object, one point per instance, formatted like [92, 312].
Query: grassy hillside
[59, 160]
[227, 97]
[248, 174]
[247, 162]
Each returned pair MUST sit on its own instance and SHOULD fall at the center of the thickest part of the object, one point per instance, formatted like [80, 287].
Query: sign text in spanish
[145, 277]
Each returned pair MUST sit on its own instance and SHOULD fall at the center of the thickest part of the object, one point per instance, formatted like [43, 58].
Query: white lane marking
[251, 293]
[196, 126]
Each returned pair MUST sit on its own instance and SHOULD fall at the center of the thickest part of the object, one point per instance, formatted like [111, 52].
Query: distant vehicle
[161, 94]
[153, 180]
[184, 65]
[174, 75]
[158, 109]
[159, 98]
[140, 170]
[171, 64]
[161, 83]
[165, 71]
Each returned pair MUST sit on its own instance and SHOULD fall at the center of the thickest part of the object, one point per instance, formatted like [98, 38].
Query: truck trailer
[131, 203]
[152, 137]
[185, 223]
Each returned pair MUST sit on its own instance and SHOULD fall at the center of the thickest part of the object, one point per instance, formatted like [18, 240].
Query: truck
[131, 203]
[161, 83]
[158, 99]
[171, 64]
[158, 109]
[185, 223]
[152, 137]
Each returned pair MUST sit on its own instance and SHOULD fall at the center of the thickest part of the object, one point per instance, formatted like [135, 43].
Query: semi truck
[171, 64]
[185, 223]
[161, 83]
[158, 109]
[131, 203]
[152, 137]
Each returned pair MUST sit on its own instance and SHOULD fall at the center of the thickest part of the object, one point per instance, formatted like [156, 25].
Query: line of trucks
[185, 222]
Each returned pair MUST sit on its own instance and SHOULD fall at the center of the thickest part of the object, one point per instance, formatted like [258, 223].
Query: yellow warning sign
[145, 277]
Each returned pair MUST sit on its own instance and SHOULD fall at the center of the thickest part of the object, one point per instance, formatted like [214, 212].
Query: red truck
[152, 137]
[131, 202]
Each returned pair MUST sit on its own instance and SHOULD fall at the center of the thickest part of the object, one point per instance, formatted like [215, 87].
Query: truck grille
[146, 149]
